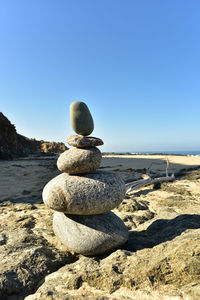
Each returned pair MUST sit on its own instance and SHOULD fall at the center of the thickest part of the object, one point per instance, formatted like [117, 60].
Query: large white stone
[89, 194]
[90, 235]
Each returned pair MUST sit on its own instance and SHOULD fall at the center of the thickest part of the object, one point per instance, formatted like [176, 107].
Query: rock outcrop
[27, 250]
[161, 259]
[14, 145]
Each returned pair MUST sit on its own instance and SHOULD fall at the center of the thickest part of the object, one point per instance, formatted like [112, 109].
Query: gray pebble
[90, 235]
[79, 161]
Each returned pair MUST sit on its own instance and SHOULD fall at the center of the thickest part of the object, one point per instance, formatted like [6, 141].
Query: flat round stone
[81, 119]
[79, 161]
[81, 141]
[89, 194]
[90, 235]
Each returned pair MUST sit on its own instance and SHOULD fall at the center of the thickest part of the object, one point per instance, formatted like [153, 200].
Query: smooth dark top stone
[81, 119]
[80, 141]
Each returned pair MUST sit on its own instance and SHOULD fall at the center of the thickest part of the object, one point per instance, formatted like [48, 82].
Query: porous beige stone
[28, 248]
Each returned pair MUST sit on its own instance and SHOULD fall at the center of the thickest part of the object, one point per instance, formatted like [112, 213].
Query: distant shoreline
[169, 153]
[157, 163]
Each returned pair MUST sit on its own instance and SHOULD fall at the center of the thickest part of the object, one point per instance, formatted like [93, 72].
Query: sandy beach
[176, 162]
[25, 178]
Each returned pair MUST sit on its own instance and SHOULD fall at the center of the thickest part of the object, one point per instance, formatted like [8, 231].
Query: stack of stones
[83, 196]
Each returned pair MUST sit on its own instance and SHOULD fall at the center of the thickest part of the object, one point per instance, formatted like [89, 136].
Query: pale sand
[24, 179]
[135, 162]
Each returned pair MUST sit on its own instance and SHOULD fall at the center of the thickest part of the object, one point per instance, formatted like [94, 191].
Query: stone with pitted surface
[90, 235]
[79, 161]
[81, 141]
[89, 194]
[81, 119]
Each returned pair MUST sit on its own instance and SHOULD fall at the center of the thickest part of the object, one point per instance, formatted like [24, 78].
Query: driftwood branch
[159, 163]
[143, 182]
[147, 180]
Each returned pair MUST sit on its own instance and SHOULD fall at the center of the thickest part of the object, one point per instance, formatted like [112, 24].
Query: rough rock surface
[79, 161]
[90, 235]
[89, 194]
[171, 269]
[14, 145]
[28, 249]
[80, 141]
[161, 259]
[81, 119]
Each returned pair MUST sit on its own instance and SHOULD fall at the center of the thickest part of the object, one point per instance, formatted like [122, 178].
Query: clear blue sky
[135, 63]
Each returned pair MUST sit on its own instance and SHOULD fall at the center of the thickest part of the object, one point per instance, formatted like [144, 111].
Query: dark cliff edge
[13, 145]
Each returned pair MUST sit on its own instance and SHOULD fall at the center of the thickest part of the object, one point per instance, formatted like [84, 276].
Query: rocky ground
[161, 259]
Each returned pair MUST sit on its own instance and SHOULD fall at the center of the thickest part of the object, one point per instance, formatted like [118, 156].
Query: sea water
[181, 152]
[172, 152]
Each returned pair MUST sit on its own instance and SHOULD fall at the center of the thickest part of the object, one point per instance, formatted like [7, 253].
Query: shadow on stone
[161, 231]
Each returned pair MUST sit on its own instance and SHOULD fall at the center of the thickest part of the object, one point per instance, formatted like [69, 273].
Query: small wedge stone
[81, 141]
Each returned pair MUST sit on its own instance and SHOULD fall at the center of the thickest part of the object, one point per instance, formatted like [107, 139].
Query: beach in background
[155, 163]
[24, 179]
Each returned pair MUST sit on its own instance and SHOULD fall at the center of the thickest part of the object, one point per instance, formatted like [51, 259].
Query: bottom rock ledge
[90, 235]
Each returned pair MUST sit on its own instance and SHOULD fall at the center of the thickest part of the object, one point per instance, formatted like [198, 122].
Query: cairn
[83, 196]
